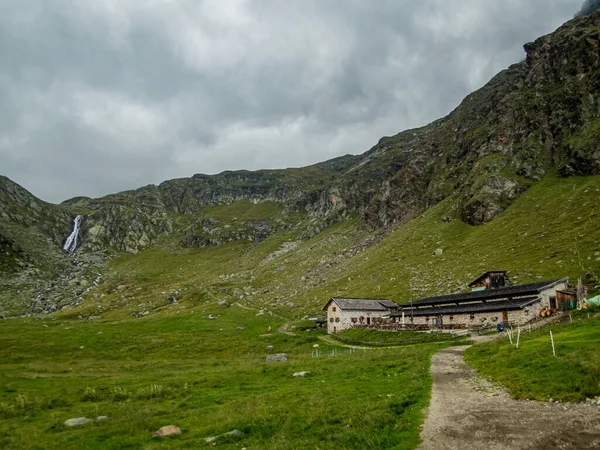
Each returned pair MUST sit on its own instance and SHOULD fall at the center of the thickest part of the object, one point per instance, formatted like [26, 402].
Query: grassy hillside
[551, 231]
[531, 371]
[206, 376]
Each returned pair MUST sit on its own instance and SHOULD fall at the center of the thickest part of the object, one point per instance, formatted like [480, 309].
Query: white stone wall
[518, 317]
[342, 320]
[338, 320]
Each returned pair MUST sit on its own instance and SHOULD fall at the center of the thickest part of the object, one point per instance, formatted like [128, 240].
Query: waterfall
[71, 242]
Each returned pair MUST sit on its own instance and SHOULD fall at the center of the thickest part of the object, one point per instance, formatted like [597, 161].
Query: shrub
[89, 395]
[152, 391]
[120, 394]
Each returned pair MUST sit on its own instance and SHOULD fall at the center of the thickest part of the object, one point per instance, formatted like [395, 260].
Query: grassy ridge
[532, 372]
[207, 378]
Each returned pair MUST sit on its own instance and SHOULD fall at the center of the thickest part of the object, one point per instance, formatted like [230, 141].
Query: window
[331, 319]
[472, 317]
[337, 319]
[427, 319]
[451, 317]
[334, 309]
[354, 320]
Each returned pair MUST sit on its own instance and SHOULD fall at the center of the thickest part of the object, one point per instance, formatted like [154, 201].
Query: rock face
[589, 7]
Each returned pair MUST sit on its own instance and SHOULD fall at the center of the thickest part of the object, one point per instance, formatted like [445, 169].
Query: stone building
[344, 313]
[511, 305]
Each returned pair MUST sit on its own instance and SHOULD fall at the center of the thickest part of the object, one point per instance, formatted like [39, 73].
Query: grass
[386, 338]
[181, 368]
[551, 231]
[532, 372]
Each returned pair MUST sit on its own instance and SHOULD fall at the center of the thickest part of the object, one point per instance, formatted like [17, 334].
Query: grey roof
[364, 304]
[488, 294]
[505, 305]
[486, 274]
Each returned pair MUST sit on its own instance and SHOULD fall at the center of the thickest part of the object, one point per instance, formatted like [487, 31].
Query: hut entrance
[505, 318]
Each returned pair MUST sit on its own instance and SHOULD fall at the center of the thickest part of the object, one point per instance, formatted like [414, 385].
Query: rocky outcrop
[589, 7]
[124, 228]
[537, 117]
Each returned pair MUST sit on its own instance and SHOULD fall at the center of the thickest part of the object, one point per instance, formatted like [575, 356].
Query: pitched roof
[485, 275]
[363, 304]
[487, 294]
[505, 305]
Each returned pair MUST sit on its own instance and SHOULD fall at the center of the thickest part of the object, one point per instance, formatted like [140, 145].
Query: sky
[100, 96]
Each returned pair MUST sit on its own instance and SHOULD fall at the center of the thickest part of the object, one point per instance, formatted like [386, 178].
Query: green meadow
[533, 372]
[208, 377]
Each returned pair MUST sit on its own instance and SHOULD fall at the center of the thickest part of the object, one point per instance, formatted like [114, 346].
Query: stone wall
[492, 318]
[338, 320]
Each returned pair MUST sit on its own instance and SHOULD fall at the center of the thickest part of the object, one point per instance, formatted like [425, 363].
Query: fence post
[518, 337]
[553, 349]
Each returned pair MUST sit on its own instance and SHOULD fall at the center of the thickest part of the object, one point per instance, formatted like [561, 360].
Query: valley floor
[467, 412]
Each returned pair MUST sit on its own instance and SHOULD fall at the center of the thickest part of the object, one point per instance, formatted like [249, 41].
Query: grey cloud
[113, 94]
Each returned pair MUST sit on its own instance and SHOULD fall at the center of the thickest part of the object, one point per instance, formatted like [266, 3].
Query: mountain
[534, 123]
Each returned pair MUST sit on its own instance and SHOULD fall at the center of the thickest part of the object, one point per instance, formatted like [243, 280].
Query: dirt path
[467, 412]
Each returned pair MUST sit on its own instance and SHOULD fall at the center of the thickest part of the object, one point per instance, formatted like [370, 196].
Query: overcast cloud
[100, 96]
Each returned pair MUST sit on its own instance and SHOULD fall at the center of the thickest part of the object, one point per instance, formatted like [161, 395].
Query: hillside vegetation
[208, 377]
[532, 372]
[551, 231]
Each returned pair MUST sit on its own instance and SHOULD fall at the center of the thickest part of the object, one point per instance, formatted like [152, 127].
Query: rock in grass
[270, 348]
[169, 430]
[234, 433]
[280, 357]
[77, 421]
[101, 418]
[301, 374]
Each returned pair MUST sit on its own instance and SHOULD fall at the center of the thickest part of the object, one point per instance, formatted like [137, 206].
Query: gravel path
[467, 412]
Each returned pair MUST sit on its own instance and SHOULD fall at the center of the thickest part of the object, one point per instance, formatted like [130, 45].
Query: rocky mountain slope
[539, 118]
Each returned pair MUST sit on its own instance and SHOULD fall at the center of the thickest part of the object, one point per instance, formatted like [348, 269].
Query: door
[368, 321]
[505, 318]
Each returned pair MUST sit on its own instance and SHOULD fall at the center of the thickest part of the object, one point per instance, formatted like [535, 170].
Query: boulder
[234, 433]
[223, 303]
[77, 421]
[169, 430]
[279, 357]
[270, 348]
[438, 252]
